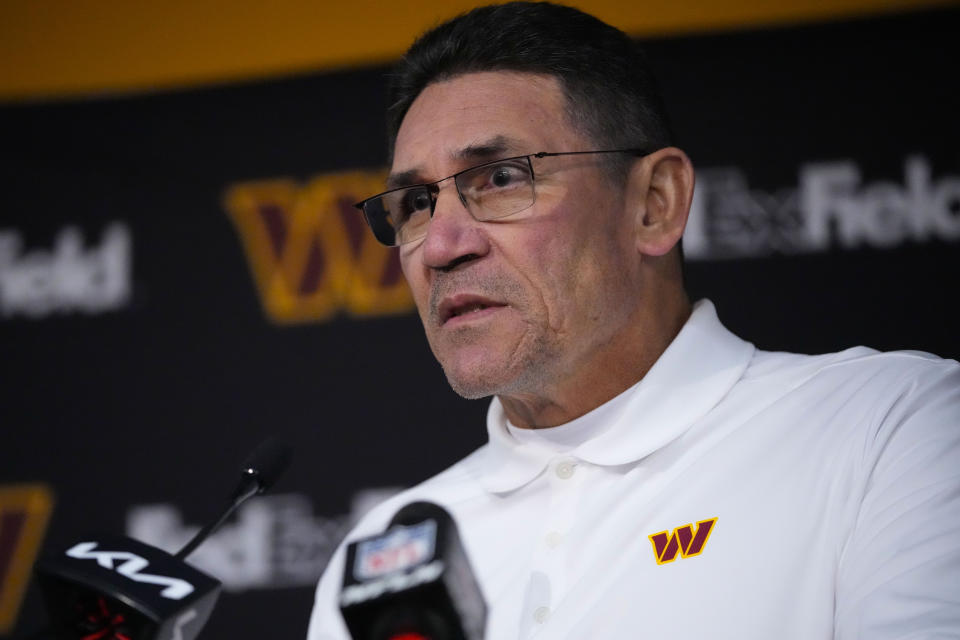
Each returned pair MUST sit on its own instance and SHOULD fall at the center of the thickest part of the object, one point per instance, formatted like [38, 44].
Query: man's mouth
[462, 311]
[465, 305]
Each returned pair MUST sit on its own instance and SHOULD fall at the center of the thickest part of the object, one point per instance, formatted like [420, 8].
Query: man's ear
[660, 192]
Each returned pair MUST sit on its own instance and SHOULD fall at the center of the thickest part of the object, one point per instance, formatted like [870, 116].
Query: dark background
[160, 401]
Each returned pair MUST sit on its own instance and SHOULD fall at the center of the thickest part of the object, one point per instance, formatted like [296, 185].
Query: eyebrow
[496, 147]
[490, 150]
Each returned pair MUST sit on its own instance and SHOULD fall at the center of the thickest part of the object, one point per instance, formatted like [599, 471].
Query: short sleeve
[899, 571]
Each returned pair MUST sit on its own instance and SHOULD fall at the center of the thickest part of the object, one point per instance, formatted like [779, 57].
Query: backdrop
[181, 275]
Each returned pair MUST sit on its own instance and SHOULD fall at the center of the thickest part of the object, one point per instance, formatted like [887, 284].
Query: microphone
[412, 582]
[110, 587]
[261, 469]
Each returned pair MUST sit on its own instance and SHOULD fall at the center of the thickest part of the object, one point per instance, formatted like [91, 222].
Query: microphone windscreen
[418, 512]
[268, 462]
[414, 580]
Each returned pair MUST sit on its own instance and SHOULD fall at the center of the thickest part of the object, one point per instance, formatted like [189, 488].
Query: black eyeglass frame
[433, 189]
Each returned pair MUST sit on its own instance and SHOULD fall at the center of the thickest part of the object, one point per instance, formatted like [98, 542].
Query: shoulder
[854, 358]
[860, 401]
[859, 371]
[901, 552]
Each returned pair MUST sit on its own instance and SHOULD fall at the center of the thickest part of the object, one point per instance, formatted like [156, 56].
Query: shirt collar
[695, 372]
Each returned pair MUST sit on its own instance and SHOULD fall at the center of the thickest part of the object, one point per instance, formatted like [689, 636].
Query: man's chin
[478, 377]
[469, 385]
[479, 369]
[484, 378]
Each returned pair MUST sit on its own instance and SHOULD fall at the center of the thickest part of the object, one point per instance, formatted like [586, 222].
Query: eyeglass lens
[490, 191]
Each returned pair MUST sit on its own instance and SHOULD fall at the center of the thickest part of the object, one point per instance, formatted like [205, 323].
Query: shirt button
[565, 470]
[553, 539]
[541, 614]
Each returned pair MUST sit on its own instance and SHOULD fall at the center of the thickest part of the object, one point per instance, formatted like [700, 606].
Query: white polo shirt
[731, 493]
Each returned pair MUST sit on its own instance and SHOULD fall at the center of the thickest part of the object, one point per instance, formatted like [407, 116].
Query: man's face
[524, 305]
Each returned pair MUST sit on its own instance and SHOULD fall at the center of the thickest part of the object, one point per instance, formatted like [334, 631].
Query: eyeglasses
[489, 191]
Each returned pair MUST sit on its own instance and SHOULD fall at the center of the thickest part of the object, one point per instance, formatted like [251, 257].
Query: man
[648, 473]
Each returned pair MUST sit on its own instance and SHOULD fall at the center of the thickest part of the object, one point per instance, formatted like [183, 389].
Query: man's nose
[453, 235]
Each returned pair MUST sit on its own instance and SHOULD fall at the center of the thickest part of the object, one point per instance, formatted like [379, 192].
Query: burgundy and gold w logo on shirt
[684, 540]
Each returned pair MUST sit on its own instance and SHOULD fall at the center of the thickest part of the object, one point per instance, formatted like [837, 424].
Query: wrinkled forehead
[481, 116]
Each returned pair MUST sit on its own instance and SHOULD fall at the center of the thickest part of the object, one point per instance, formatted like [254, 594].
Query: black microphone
[412, 582]
[261, 469]
[110, 587]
